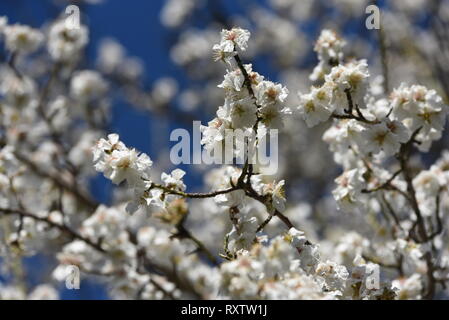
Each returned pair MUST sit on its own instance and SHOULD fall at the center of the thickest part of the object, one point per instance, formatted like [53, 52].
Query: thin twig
[384, 185]
[61, 227]
[193, 195]
[183, 233]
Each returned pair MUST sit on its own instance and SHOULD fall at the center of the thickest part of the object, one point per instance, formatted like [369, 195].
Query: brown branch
[355, 117]
[171, 275]
[12, 64]
[73, 234]
[95, 245]
[193, 195]
[403, 157]
[439, 228]
[247, 81]
[380, 263]
[247, 168]
[391, 212]
[183, 233]
[264, 223]
[349, 112]
[350, 102]
[162, 289]
[385, 185]
[250, 192]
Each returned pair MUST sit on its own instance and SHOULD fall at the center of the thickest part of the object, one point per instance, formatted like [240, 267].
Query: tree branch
[65, 229]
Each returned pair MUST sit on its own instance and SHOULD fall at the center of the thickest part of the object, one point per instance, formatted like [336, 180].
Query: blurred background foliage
[170, 45]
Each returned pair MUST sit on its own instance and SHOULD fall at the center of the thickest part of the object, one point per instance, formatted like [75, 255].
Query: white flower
[269, 93]
[220, 179]
[110, 55]
[104, 147]
[11, 292]
[87, 85]
[315, 107]
[329, 46]
[378, 108]
[296, 237]
[254, 76]
[231, 199]
[21, 38]
[220, 53]
[174, 12]
[353, 77]
[241, 113]
[174, 179]
[18, 92]
[348, 191]
[386, 136]
[156, 198]
[122, 165]
[273, 116]
[233, 81]
[427, 181]
[349, 247]
[242, 236]
[65, 44]
[431, 117]
[441, 167]
[44, 292]
[271, 96]
[334, 275]
[234, 37]
[427, 186]
[213, 136]
[402, 101]
[420, 108]
[80, 153]
[164, 89]
[408, 288]
[105, 223]
[277, 196]
[119, 163]
[3, 24]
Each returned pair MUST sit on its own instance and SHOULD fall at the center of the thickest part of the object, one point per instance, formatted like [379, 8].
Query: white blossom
[87, 85]
[65, 44]
[119, 163]
[348, 191]
[240, 113]
[315, 106]
[380, 234]
[386, 137]
[234, 37]
[21, 38]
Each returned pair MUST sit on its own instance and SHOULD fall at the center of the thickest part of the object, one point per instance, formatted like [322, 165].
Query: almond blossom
[357, 208]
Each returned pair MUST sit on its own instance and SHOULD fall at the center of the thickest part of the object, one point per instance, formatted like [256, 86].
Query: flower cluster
[65, 44]
[342, 81]
[252, 104]
[329, 48]
[368, 130]
[22, 39]
[257, 266]
[381, 236]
